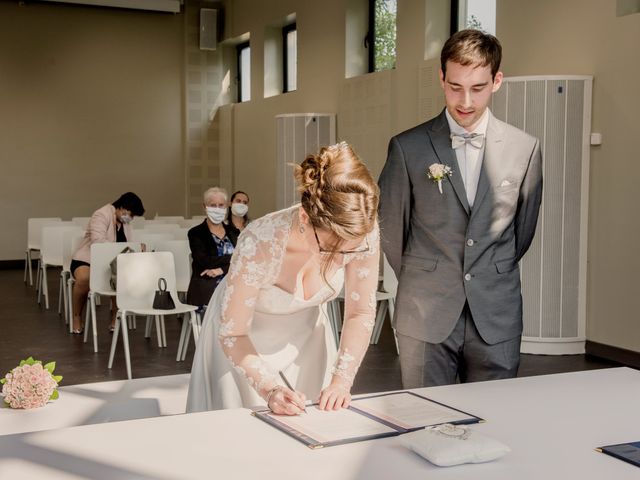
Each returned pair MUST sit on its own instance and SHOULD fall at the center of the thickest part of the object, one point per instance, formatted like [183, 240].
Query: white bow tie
[474, 139]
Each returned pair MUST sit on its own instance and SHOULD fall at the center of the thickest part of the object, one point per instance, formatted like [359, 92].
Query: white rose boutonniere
[438, 172]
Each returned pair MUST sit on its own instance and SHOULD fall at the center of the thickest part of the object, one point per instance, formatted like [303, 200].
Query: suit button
[470, 242]
[467, 277]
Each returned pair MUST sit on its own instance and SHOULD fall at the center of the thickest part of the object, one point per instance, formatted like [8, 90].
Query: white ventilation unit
[170, 6]
[297, 135]
[557, 110]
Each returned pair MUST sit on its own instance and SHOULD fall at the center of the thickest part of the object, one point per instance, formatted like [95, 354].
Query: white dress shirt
[469, 157]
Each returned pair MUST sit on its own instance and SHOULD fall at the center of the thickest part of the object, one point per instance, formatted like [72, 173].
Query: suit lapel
[439, 134]
[490, 170]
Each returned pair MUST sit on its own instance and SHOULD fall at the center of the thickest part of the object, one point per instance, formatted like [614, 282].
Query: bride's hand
[334, 397]
[284, 401]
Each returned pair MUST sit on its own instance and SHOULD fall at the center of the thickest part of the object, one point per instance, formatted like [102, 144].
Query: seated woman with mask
[212, 243]
[107, 224]
[238, 208]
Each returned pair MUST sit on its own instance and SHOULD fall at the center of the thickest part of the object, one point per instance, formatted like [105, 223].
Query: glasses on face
[324, 251]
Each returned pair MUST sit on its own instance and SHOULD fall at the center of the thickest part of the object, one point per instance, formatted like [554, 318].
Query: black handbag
[162, 299]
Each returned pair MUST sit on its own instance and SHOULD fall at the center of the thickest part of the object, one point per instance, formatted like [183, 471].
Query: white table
[552, 423]
[101, 402]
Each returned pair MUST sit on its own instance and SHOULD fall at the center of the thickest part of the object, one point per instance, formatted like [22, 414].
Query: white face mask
[239, 209]
[216, 215]
[124, 219]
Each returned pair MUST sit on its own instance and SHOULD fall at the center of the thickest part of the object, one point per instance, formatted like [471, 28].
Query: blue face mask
[124, 219]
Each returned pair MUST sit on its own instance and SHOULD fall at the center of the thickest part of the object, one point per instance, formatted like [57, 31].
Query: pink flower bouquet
[30, 385]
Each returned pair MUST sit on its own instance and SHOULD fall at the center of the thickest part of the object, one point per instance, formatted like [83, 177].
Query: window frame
[239, 49]
[285, 57]
[370, 38]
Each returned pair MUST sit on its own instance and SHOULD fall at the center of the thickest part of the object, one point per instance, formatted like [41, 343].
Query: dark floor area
[30, 330]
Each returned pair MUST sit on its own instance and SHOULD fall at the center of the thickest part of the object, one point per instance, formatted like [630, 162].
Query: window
[381, 38]
[244, 72]
[290, 58]
[479, 14]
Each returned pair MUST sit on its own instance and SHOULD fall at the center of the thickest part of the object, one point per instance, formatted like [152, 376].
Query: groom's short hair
[472, 47]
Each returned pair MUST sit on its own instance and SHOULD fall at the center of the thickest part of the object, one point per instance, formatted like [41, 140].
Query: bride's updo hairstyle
[338, 193]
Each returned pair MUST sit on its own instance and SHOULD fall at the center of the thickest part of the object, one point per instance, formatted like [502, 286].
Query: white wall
[91, 107]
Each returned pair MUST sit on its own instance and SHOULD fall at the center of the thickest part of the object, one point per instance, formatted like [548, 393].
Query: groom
[459, 204]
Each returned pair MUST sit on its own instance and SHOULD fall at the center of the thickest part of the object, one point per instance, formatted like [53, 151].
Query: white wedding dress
[253, 328]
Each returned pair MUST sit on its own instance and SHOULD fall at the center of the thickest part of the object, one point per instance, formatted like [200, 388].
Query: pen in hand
[286, 382]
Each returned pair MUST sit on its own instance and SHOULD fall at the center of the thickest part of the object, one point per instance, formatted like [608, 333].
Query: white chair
[191, 222]
[138, 223]
[99, 281]
[81, 221]
[138, 275]
[151, 238]
[169, 219]
[70, 243]
[181, 234]
[182, 257]
[51, 256]
[386, 299]
[155, 222]
[34, 234]
[161, 227]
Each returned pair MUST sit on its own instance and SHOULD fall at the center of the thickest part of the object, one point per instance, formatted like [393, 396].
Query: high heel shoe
[77, 331]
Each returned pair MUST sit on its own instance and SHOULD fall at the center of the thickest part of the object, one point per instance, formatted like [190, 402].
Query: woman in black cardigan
[212, 243]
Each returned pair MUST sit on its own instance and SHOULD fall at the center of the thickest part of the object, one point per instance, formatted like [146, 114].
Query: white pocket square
[506, 183]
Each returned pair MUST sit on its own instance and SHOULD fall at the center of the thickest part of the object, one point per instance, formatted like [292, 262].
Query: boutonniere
[438, 172]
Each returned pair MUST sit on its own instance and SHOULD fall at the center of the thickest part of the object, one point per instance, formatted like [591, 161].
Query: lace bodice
[251, 286]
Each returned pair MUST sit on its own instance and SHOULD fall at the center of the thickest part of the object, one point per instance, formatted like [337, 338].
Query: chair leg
[392, 306]
[147, 328]
[45, 286]
[61, 297]
[39, 282]
[164, 331]
[183, 333]
[94, 325]
[30, 267]
[193, 324]
[158, 331]
[27, 259]
[87, 317]
[125, 341]
[70, 283]
[114, 340]
[185, 345]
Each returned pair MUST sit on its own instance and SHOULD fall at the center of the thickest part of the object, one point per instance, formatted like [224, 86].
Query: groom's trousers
[462, 356]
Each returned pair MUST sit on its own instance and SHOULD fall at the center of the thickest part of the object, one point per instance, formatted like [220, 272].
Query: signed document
[367, 418]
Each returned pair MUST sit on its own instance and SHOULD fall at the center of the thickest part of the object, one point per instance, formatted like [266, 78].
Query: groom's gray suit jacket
[445, 253]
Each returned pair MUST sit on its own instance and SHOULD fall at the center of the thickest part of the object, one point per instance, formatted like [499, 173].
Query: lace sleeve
[254, 264]
[361, 283]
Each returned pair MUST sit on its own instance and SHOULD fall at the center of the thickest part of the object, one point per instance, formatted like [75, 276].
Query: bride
[269, 316]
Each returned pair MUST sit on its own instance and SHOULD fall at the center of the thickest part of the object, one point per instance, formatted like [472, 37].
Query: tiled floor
[29, 330]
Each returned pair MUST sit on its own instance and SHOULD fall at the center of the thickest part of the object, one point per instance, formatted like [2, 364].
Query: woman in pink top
[108, 224]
